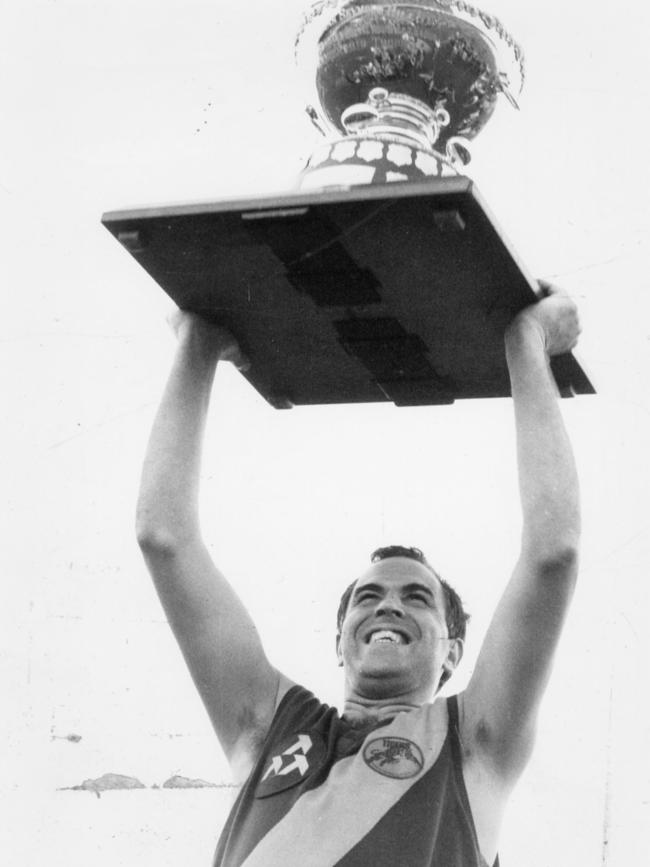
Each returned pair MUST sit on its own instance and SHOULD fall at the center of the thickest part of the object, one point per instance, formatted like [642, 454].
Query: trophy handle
[312, 114]
[363, 112]
[459, 151]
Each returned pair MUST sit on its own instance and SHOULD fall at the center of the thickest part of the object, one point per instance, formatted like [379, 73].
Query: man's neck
[359, 711]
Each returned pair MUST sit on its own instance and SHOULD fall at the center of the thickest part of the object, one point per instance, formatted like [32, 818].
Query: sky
[111, 105]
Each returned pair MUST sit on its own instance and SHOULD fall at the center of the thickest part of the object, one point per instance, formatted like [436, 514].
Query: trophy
[401, 87]
[382, 277]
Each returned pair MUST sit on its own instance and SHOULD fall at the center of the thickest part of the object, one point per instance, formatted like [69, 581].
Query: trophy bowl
[423, 74]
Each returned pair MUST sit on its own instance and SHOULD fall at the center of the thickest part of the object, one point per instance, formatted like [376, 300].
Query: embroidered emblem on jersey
[294, 761]
[394, 757]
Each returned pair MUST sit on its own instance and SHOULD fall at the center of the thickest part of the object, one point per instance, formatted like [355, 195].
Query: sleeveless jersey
[324, 793]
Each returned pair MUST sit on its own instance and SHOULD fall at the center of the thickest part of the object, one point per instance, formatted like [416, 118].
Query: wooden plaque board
[398, 293]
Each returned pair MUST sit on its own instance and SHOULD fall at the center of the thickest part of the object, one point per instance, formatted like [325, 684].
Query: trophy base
[355, 160]
[398, 292]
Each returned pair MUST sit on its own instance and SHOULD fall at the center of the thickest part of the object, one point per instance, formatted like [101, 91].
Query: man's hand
[555, 317]
[213, 337]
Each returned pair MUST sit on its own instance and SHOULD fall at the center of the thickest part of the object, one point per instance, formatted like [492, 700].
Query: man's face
[394, 641]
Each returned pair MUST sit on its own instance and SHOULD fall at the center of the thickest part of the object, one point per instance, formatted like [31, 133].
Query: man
[400, 778]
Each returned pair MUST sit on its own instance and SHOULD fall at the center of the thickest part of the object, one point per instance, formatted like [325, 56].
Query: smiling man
[400, 631]
[401, 776]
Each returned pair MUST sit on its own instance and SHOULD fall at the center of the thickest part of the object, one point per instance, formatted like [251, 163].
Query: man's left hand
[555, 317]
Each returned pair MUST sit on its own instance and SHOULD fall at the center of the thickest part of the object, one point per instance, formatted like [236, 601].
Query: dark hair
[455, 615]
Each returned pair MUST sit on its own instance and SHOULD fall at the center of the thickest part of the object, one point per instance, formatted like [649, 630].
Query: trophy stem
[398, 115]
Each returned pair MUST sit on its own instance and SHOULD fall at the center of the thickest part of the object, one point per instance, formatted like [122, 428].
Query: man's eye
[419, 597]
[363, 597]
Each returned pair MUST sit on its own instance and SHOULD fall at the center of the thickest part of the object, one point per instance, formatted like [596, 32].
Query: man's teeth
[386, 635]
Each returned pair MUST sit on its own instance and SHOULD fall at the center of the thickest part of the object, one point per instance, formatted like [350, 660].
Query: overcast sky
[116, 104]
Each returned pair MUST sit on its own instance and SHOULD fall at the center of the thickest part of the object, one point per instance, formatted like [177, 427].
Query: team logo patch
[394, 757]
[295, 759]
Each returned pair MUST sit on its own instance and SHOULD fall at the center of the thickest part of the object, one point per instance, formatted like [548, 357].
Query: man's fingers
[174, 318]
[235, 356]
[241, 362]
[547, 289]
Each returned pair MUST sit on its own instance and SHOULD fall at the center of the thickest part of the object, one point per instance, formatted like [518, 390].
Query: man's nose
[390, 605]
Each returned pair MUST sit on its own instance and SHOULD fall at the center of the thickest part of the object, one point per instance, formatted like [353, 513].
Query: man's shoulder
[296, 708]
[294, 702]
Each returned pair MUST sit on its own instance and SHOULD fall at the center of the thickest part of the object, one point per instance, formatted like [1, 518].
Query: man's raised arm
[501, 701]
[218, 639]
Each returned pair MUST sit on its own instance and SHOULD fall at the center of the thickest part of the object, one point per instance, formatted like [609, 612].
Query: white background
[116, 104]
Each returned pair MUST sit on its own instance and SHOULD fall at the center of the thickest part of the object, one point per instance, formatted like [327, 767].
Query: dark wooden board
[398, 293]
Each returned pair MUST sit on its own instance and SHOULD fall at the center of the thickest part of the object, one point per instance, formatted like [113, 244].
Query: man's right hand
[212, 336]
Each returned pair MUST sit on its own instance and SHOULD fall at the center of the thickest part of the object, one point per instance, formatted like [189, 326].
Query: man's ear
[339, 655]
[454, 655]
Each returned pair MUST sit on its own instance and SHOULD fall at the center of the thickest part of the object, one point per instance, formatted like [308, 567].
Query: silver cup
[400, 87]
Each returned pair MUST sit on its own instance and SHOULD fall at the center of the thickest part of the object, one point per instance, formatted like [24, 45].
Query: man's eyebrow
[407, 588]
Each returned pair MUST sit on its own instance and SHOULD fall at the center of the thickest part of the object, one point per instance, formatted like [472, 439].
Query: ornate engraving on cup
[422, 73]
